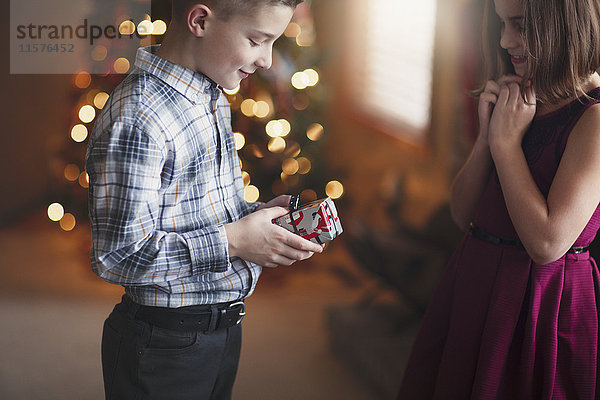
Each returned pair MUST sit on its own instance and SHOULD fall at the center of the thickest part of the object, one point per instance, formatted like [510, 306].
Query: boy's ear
[196, 19]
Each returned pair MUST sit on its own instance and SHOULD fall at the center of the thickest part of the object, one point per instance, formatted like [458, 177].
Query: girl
[516, 314]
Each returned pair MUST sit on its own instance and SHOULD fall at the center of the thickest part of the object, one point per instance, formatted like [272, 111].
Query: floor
[53, 307]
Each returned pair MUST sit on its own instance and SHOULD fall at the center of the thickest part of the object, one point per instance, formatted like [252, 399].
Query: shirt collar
[193, 85]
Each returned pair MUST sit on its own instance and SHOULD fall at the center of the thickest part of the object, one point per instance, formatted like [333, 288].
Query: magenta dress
[500, 326]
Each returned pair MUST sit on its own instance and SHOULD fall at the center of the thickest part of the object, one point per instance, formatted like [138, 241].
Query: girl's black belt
[491, 238]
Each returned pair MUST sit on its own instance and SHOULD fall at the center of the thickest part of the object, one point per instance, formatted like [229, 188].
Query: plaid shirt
[164, 179]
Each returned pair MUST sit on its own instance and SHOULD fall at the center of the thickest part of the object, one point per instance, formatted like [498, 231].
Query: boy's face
[233, 49]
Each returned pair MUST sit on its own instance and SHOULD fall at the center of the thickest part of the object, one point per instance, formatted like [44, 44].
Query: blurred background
[366, 102]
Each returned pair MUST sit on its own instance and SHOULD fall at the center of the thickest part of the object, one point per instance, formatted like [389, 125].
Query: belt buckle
[242, 310]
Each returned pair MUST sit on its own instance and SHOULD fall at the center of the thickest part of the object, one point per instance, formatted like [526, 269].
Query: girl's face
[510, 13]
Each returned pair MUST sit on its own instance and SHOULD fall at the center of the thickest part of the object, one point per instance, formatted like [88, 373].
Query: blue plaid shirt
[164, 179]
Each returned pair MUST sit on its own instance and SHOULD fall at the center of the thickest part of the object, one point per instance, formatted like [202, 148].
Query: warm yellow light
[79, 133]
[261, 109]
[127, 28]
[246, 178]
[304, 165]
[99, 53]
[159, 27]
[240, 140]
[232, 91]
[315, 132]
[84, 180]
[305, 38]
[82, 80]
[313, 76]
[290, 166]
[289, 180]
[308, 195]
[286, 127]
[121, 65]
[300, 101]
[247, 107]
[100, 100]
[87, 113]
[274, 128]
[292, 149]
[292, 30]
[300, 80]
[334, 189]
[67, 222]
[256, 151]
[251, 193]
[72, 172]
[55, 211]
[276, 145]
[145, 27]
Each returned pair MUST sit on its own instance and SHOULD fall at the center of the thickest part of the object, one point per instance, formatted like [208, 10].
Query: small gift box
[317, 221]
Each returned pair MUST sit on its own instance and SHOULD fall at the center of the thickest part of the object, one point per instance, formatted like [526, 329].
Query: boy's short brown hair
[224, 9]
[562, 42]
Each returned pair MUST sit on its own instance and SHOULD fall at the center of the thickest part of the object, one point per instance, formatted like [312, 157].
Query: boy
[169, 221]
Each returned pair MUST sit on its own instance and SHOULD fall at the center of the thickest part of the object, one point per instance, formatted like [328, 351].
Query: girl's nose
[510, 38]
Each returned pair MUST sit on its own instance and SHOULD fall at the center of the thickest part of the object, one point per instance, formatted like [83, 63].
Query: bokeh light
[334, 189]
[261, 109]
[67, 222]
[290, 166]
[72, 172]
[159, 27]
[84, 180]
[99, 53]
[276, 145]
[304, 165]
[127, 28]
[55, 211]
[100, 100]
[315, 131]
[121, 65]
[82, 80]
[246, 178]
[233, 91]
[247, 107]
[251, 193]
[145, 27]
[240, 140]
[87, 113]
[308, 195]
[292, 30]
[79, 133]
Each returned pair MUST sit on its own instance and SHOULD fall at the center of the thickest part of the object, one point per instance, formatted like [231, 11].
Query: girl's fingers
[508, 79]
[488, 98]
[514, 95]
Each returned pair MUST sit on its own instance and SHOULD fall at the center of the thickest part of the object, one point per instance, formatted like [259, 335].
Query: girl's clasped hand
[506, 109]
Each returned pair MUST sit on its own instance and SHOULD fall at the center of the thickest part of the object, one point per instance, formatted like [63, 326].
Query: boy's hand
[279, 201]
[256, 239]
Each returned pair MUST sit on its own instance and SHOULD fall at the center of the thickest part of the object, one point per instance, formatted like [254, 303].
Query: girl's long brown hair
[562, 42]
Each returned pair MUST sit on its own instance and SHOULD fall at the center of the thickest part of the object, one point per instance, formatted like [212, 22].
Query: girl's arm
[547, 227]
[469, 184]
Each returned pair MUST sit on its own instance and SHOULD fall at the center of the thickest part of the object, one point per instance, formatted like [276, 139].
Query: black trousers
[143, 362]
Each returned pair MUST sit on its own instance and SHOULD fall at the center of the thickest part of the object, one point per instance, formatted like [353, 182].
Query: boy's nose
[266, 58]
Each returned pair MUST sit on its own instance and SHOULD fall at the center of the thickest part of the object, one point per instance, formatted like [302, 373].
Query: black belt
[491, 238]
[207, 318]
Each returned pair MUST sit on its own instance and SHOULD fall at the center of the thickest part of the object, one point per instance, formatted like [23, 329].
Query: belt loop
[214, 316]
[132, 306]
